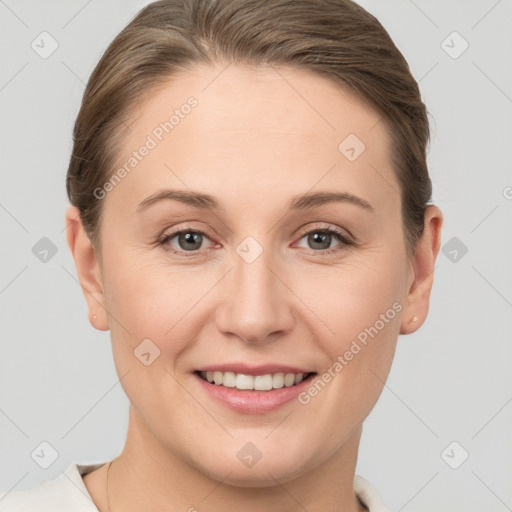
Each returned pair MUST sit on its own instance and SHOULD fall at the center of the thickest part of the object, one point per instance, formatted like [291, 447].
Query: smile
[242, 381]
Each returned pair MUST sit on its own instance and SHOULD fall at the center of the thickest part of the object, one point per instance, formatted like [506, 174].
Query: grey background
[451, 381]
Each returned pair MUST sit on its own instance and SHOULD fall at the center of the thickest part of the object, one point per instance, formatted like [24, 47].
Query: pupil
[191, 238]
[321, 238]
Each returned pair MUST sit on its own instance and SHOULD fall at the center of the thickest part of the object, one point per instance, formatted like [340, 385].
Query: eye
[188, 242]
[320, 239]
[192, 242]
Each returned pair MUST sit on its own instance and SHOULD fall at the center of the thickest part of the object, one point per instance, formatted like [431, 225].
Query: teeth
[228, 379]
[263, 382]
[289, 380]
[278, 380]
[257, 382]
[244, 381]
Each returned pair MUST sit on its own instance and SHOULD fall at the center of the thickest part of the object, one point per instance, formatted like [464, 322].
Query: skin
[257, 138]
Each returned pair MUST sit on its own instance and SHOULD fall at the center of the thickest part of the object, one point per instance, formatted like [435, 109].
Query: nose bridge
[255, 304]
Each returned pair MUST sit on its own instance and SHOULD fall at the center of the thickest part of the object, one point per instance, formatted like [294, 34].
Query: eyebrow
[320, 198]
[208, 202]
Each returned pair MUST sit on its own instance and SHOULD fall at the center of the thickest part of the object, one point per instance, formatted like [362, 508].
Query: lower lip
[252, 401]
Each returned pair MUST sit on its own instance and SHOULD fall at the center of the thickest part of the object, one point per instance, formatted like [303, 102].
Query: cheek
[359, 306]
[147, 300]
[347, 298]
[169, 305]
[151, 326]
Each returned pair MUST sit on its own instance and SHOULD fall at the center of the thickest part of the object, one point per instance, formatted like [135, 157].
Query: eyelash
[345, 240]
[341, 236]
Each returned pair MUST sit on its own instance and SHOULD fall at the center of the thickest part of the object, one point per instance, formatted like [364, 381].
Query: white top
[67, 492]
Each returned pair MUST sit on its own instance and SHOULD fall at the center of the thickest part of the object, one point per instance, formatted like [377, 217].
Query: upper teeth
[257, 382]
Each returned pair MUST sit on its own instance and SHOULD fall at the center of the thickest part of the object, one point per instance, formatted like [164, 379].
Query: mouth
[253, 389]
[245, 382]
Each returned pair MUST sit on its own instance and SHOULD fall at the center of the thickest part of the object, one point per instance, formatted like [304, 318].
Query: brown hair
[337, 39]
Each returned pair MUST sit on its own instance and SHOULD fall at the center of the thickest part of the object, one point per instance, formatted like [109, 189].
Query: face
[258, 278]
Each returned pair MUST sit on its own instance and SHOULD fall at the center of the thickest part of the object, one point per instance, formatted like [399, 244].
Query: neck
[146, 476]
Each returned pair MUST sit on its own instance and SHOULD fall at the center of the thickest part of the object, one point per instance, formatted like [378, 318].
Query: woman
[250, 219]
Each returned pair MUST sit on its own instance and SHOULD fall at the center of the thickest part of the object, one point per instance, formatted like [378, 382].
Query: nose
[255, 304]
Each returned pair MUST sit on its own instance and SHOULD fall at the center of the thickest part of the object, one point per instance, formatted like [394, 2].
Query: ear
[416, 303]
[87, 268]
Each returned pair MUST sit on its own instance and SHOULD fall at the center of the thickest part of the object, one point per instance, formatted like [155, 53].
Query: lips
[253, 389]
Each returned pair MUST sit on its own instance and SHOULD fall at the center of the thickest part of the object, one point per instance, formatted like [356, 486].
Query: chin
[258, 477]
[264, 472]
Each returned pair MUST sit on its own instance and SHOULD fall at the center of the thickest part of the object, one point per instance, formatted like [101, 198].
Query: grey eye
[189, 240]
[319, 240]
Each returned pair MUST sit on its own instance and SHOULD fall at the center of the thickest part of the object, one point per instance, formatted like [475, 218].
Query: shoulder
[65, 492]
[68, 492]
[368, 495]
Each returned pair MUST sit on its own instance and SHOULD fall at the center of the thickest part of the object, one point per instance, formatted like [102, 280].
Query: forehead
[266, 132]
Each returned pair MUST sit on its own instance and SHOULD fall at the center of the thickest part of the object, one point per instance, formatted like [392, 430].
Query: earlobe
[417, 301]
[87, 268]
